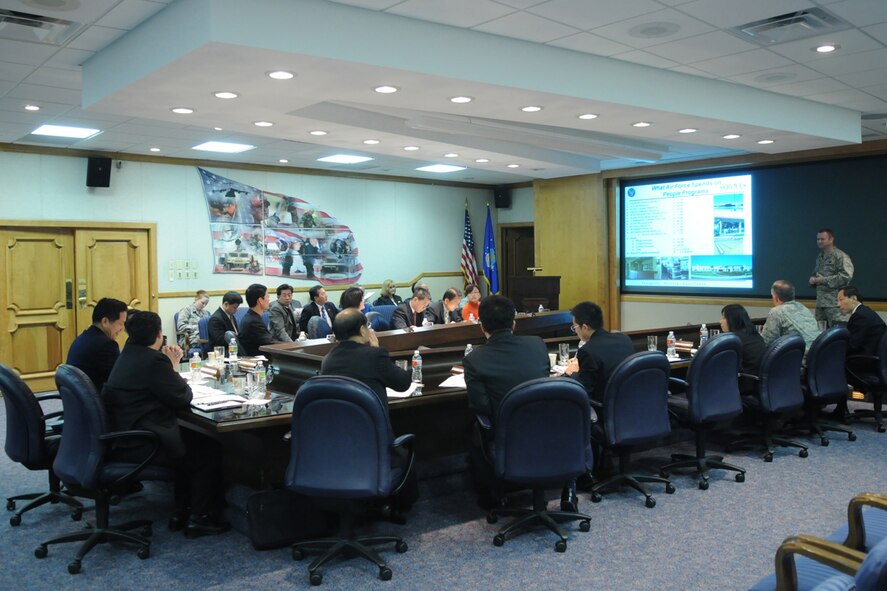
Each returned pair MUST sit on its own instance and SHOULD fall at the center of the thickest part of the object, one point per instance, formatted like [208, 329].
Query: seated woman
[388, 296]
[735, 319]
[472, 294]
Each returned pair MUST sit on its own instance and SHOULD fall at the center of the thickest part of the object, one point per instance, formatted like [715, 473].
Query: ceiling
[122, 65]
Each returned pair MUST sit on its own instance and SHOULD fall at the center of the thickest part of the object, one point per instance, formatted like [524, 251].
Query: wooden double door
[52, 279]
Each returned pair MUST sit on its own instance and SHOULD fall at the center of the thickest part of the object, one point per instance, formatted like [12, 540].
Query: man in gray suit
[284, 315]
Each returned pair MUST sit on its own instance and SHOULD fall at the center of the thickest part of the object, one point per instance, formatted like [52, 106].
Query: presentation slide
[689, 234]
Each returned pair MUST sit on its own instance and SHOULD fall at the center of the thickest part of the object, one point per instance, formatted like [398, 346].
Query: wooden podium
[527, 292]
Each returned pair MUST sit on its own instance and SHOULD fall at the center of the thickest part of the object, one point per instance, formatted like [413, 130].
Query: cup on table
[220, 354]
[239, 384]
[563, 354]
[211, 358]
[823, 324]
[552, 359]
[652, 342]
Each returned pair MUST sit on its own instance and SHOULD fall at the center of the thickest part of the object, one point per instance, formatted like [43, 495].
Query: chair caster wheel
[768, 457]
[851, 437]
[823, 441]
[114, 500]
[15, 520]
[401, 547]
[384, 573]
[595, 497]
[651, 502]
[76, 514]
[498, 540]
[144, 552]
[298, 554]
[316, 579]
[881, 428]
[663, 474]
[585, 525]
[669, 488]
[492, 518]
[74, 567]
[147, 531]
[10, 505]
[703, 485]
[41, 551]
[803, 453]
[740, 477]
[560, 546]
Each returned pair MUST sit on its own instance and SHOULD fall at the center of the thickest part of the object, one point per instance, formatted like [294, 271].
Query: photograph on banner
[238, 248]
[230, 201]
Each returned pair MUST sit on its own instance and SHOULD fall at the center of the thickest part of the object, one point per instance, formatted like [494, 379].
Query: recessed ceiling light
[642, 124]
[531, 108]
[223, 94]
[283, 161]
[280, 75]
[182, 110]
[411, 148]
[371, 142]
[732, 136]
[344, 159]
[154, 149]
[385, 89]
[317, 132]
[827, 48]
[79, 133]
[451, 155]
[262, 123]
[32, 108]
[482, 160]
[440, 168]
[514, 166]
[688, 130]
[765, 142]
[224, 147]
[217, 128]
[461, 99]
[588, 116]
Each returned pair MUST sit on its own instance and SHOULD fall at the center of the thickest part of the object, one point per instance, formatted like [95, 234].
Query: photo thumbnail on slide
[693, 233]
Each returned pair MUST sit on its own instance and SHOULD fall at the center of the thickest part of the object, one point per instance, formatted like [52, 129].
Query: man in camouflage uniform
[833, 270]
[788, 316]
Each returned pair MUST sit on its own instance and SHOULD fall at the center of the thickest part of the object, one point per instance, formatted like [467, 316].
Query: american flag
[468, 264]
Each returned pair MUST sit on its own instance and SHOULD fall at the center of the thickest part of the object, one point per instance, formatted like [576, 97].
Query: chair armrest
[405, 440]
[52, 415]
[830, 554]
[595, 403]
[134, 434]
[43, 397]
[484, 422]
[856, 532]
[679, 381]
[750, 376]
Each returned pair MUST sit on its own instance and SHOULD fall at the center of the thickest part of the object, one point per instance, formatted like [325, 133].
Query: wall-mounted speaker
[98, 172]
[502, 197]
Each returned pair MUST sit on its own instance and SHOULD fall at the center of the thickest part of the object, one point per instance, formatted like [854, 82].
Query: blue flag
[491, 269]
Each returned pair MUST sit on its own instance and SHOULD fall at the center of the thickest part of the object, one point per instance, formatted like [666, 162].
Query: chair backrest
[780, 385]
[713, 394]
[826, 361]
[386, 312]
[81, 453]
[203, 332]
[239, 314]
[872, 574]
[636, 399]
[377, 321]
[317, 328]
[25, 427]
[543, 432]
[882, 358]
[341, 441]
[266, 319]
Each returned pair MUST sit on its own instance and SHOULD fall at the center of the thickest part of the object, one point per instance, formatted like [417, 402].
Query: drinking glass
[220, 354]
[251, 386]
[823, 324]
[563, 354]
[552, 359]
[652, 342]
[239, 384]
[404, 364]
[714, 332]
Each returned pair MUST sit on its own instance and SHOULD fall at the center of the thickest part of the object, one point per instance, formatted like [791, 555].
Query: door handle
[69, 294]
[81, 293]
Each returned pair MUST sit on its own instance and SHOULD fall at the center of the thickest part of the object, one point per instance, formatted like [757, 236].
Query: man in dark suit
[864, 325]
[319, 306]
[95, 351]
[282, 315]
[252, 332]
[222, 319]
[444, 310]
[145, 391]
[411, 312]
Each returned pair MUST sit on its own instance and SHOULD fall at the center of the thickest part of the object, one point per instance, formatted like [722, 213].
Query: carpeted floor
[722, 538]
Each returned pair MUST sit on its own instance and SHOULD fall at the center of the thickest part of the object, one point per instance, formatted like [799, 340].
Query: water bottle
[669, 344]
[195, 366]
[471, 317]
[468, 349]
[302, 336]
[703, 335]
[232, 350]
[426, 322]
[261, 376]
[541, 308]
[417, 372]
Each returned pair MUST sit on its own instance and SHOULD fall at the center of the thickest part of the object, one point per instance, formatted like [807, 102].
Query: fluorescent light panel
[344, 159]
[224, 147]
[79, 133]
[440, 168]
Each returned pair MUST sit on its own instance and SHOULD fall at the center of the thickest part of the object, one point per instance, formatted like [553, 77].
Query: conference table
[256, 453]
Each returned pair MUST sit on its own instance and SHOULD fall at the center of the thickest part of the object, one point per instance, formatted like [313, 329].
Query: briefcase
[275, 518]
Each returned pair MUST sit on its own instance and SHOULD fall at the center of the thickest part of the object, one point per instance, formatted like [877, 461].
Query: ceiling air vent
[790, 27]
[21, 26]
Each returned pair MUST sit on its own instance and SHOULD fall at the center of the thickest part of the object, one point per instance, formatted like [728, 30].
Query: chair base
[768, 443]
[39, 499]
[634, 480]
[821, 427]
[92, 536]
[537, 517]
[702, 466]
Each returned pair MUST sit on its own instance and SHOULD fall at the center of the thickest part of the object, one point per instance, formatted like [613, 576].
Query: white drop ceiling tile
[458, 13]
[810, 87]
[646, 58]
[95, 38]
[21, 52]
[46, 93]
[46, 76]
[842, 97]
[803, 50]
[6, 86]
[627, 31]
[71, 59]
[589, 14]
[692, 71]
[855, 62]
[879, 32]
[106, 118]
[129, 13]
[774, 76]
[11, 72]
[105, 145]
[861, 12]
[701, 47]
[742, 63]
[47, 109]
[523, 25]
[864, 79]
[879, 91]
[588, 43]
[730, 13]
[521, 4]
[11, 133]
[369, 4]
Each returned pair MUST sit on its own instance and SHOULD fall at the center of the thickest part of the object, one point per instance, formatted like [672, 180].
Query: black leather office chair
[30, 444]
[82, 463]
[825, 381]
[868, 374]
[344, 455]
[779, 395]
[542, 440]
[635, 409]
[712, 397]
